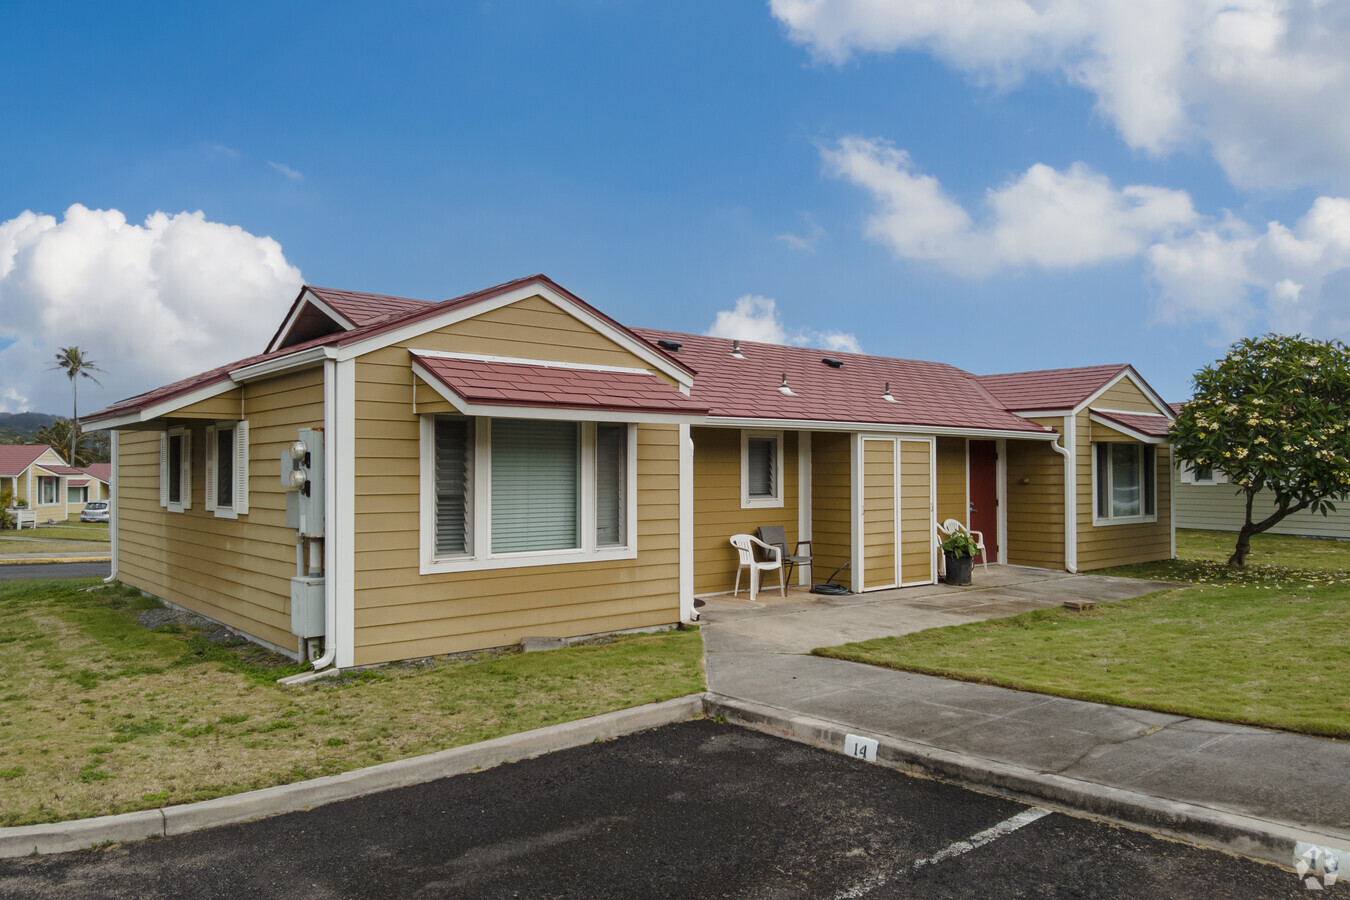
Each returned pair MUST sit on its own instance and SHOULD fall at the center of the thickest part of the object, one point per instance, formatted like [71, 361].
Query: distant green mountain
[23, 425]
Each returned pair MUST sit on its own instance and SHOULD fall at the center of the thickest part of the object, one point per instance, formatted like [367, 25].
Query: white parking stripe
[1007, 826]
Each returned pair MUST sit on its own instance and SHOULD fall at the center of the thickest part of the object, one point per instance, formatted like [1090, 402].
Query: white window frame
[1097, 475]
[1190, 474]
[776, 501]
[84, 493]
[239, 468]
[184, 469]
[56, 490]
[480, 556]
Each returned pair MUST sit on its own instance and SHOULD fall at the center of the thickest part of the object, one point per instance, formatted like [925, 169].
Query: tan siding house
[396, 478]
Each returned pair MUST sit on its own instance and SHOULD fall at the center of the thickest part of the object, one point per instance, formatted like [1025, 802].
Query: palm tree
[75, 364]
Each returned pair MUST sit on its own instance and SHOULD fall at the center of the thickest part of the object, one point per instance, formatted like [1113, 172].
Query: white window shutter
[210, 468]
[241, 468]
[185, 480]
[1187, 472]
[1219, 477]
[164, 470]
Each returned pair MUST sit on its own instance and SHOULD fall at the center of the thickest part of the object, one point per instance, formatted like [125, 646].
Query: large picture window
[512, 492]
[1126, 483]
[47, 488]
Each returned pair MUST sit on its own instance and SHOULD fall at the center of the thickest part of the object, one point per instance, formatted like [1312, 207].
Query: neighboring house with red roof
[39, 476]
[1205, 499]
[514, 462]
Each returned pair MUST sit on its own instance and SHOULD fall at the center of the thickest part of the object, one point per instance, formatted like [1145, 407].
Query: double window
[515, 492]
[1125, 476]
[761, 469]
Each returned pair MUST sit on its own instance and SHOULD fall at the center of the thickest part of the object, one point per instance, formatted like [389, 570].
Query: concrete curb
[59, 837]
[42, 560]
[1261, 839]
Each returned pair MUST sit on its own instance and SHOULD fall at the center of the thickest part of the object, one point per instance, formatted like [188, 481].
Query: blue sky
[895, 180]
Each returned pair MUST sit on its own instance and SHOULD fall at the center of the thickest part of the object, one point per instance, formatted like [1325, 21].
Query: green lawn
[100, 715]
[71, 531]
[1268, 645]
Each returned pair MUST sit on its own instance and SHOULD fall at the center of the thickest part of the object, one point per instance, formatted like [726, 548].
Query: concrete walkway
[756, 653]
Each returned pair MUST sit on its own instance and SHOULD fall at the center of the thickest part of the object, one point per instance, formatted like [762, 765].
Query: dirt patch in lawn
[100, 714]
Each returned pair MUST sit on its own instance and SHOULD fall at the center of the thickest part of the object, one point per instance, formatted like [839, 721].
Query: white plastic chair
[950, 527]
[745, 548]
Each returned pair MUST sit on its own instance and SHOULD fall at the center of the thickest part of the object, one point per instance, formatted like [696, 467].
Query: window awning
[501, 386]
[1146, 427]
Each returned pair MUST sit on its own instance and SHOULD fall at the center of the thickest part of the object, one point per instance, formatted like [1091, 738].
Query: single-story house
[514, 462]
[1206, 499]
[39, 476]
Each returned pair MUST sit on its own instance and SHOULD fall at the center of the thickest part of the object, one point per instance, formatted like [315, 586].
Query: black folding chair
[776, 536]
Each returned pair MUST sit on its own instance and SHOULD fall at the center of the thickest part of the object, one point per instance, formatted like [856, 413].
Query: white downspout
[329, 500]
[113, 503]
[686, 526]
[1070, 491]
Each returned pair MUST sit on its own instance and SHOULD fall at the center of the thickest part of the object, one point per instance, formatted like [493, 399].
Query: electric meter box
[307, 606]
[302, 477]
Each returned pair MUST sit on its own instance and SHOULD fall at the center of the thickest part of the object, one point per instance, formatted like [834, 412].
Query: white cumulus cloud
[1045, 217]
[151, 303]
[286, 170]
[756, 318]
[1264, 83]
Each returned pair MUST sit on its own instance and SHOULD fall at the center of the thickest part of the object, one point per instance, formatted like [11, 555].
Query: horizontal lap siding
[1035, 500]
[951, 480]
[401, 613]
[916, 512]
[1221, 507]
[1124, 395]
[831, 504]
[221, 406]
[236, 571]
[1100, 546]
[717, 505]
[878, 514]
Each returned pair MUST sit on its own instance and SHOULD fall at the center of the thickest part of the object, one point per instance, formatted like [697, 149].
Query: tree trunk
[1244, 546]
[1244, 541]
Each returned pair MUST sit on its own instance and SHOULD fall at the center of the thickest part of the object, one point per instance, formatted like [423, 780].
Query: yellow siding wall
[717, 506]
[831, 502]
[916, 512]
[220, 407]
[952, 502]
[401, 613]
[236, 571]
[1036, 507]
[879, 514]
[1100, 546]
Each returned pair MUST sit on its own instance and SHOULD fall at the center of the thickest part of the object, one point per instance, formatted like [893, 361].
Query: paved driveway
[803, 621]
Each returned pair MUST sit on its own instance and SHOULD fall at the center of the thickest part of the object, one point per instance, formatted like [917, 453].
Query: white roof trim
[1129, 412]
[638, 348]
[1130, 373]
[1125, 429]
[299, 360]
[566, 413]
[521, 361]
[880, 427]
[1042, 413]
[310, 298]
[135, 417]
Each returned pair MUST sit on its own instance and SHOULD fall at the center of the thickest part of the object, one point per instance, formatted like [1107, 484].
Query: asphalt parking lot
[696, 810]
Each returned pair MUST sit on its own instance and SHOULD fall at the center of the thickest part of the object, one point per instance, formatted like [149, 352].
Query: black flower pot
[958, 567]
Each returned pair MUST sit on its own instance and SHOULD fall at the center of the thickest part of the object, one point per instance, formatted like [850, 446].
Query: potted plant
[959, 551]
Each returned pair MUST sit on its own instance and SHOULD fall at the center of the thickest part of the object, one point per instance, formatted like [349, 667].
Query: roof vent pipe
[736, 350]
[672, 346]
[833, 363]
[784, 389]
[886, 394]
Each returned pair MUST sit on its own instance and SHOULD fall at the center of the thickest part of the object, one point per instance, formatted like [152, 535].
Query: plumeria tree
[1273, 415]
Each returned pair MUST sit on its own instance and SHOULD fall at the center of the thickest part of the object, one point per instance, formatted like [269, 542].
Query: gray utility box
[304, 504]
[307, 606]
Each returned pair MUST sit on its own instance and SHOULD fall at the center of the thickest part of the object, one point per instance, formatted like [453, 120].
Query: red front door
[984, 494]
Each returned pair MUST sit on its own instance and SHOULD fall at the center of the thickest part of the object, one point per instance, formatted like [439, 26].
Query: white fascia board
[311, 300]
[165, 408]
[1138, 382]
[876, 427]
[302, 359]
[1125, 429]
[568, 414]
[535, 289]
[1042, 413]
[521, 361]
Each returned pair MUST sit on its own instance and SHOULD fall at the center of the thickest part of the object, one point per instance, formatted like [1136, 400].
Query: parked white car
[97, 511]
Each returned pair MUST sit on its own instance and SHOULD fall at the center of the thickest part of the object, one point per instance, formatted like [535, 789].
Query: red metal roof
[14, 458]
[1049, 389]
[364, 309]
[926, 393]
[100, 471]
[76, 482]
[1153, 426]
[62, 470]
[520, 384]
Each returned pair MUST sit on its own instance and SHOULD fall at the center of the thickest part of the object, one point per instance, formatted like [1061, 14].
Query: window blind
[175, 468]
[453, 448]
[611, 445]
[535, 481]
[763, 454]
[224, 461]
